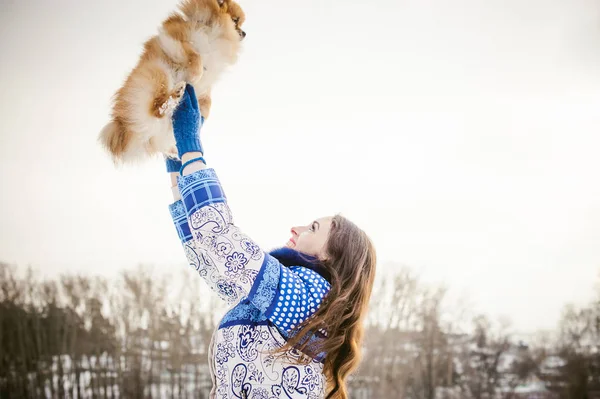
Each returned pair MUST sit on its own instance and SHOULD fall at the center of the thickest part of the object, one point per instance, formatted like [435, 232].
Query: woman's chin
[290, 244]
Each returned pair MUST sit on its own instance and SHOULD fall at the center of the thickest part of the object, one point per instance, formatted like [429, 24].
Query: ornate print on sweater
[268, 298]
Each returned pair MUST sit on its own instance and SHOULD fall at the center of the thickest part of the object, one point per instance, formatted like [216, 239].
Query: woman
[295, 326]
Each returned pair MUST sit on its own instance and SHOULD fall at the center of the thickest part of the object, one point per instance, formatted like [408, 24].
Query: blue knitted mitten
[187, 123]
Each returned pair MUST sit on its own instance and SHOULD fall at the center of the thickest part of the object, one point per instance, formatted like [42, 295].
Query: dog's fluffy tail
[114, 138]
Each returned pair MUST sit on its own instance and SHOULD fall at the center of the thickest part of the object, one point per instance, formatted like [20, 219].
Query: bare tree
[406, 352]
[484, 360]
[579, 346]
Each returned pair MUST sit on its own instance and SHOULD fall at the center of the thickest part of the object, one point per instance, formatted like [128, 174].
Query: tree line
[146, 334]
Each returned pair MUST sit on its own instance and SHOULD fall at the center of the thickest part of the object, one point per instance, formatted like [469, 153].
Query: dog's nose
[242, 34]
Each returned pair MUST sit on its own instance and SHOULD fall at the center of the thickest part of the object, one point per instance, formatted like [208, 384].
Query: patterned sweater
[269, 295]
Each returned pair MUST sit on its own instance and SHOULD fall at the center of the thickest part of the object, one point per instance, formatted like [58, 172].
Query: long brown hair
[351, 264]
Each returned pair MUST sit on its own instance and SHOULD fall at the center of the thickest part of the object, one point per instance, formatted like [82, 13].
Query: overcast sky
[463, 136]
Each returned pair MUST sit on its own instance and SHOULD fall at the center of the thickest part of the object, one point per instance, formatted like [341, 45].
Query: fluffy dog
[193, 45]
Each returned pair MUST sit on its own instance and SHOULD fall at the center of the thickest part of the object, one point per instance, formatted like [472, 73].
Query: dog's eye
[235, 20]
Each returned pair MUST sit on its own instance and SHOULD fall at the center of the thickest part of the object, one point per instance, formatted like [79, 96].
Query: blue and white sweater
[269, 294]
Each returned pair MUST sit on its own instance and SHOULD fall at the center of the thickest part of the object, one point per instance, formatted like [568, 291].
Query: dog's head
[235, 12]
[226, 14]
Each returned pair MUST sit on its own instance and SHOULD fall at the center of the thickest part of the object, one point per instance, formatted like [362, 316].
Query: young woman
[295, 326]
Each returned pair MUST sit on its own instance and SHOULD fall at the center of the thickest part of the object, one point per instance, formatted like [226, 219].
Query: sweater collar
[290, 257]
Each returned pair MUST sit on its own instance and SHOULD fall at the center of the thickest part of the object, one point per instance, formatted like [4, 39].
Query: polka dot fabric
[300, 293]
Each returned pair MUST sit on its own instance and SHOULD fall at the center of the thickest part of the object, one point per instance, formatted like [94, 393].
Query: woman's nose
[296, 231]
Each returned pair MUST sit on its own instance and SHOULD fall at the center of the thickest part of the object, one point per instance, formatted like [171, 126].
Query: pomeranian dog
[194, 45]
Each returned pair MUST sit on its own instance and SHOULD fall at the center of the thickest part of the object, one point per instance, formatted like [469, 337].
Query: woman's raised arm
[230, 262]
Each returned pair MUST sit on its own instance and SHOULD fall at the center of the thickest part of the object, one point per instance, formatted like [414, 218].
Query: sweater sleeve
[232, 264]
[195, 258]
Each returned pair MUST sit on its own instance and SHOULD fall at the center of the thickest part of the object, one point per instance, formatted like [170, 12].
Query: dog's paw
[173, 100]
[205, 102]
[195, 71]
[178, 91]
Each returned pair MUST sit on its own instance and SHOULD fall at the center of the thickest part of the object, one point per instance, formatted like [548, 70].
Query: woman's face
[311, 239]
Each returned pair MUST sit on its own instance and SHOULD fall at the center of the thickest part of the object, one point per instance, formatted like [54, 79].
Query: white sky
[461, 135]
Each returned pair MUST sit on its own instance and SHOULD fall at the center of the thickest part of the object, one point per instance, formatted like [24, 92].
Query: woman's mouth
[291, 243]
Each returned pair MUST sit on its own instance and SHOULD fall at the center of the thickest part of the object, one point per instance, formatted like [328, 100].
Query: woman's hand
[187, 123]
